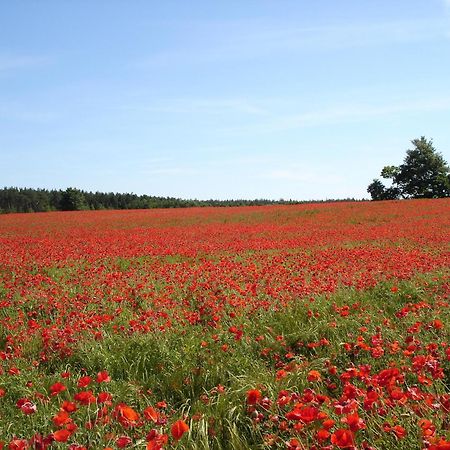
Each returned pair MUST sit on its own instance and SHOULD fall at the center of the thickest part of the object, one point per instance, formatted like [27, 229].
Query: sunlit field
[317, 326]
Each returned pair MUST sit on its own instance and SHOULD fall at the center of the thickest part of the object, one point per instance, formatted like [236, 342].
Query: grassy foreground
[353, 369]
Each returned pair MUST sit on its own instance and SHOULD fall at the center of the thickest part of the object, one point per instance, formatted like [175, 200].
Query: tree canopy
[423, 174]
[13, 199]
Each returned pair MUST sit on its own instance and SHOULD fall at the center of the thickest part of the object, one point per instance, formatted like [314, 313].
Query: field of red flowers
[317, 326]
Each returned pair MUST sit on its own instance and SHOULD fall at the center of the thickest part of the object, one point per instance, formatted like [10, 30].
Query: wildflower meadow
[315, 326]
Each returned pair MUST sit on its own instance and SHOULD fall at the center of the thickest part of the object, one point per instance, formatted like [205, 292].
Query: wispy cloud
[300, 174]
[14, 62]
[215, 106]
[250, 40]
[345, 113]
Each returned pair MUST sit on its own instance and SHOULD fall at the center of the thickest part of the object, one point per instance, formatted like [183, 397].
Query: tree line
[19, 200]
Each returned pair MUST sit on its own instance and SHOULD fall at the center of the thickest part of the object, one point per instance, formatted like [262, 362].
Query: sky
[292, 99]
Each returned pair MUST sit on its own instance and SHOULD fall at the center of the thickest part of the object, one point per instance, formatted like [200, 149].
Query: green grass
[178, 367]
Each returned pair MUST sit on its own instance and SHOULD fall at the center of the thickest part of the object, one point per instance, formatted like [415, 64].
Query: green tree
[73, 200]
[423, 174]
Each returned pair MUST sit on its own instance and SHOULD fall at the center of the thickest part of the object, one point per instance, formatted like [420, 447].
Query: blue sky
[206, 99]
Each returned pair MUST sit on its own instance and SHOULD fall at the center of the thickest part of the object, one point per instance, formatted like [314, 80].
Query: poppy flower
[69, 406]
[253, 396]
[399, 431]
[307, 414]
[123, 441]
[18, 444]
[126, 415]
[314, 375]
[178, 429]
[103, 377]
[56, 388]
[104, 397]
[354, 422]
[343, 438]
[26, 406]
[151, 414]
[155, 440]
[84, 397]
[61, 418]
[61, 435]
[84, 381]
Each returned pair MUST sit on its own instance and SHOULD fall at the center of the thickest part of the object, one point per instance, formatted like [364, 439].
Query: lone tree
[423, 174]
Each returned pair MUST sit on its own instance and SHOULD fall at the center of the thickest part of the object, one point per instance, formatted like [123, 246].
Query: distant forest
[15, 200]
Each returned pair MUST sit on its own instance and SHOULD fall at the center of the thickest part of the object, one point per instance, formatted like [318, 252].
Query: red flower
[399, 431]
[343, 438]
[68, 406]
[354, 422]
[151, 414]
[253, 396]
[156, 441]
[61, 418]
[123, 441]
[18, 444]
[126, 415]
[61, 435]
[26, 406]
[56, 388]
[103, 377]
[104, 397]
[178, 429]
[307, 414]
[84, 381]
[314, 375]
[84, 397]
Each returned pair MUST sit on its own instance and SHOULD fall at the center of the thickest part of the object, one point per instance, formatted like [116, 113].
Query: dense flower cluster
[205, 278]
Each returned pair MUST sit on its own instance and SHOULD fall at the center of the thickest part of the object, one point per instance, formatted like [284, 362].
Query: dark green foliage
[36, 200]
[378, 191]
[72, 200]
[423, 174]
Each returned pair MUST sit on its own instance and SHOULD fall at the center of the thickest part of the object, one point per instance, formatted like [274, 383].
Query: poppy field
[315, 326]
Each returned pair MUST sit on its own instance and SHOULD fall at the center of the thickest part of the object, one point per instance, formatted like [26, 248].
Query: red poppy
[151, 414]
[343, 438]
[178, 429]
[314, 375]
[69, 406]
[84, 381]
[103, 377]
[399, 431]
[85, 397]
[104, 397]
[61, 418]
[354, 422]
[56, 388]
[18, 444]
[26, 406]
[126, 415]
[253, 396]
[61, 435]
[307, 414]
